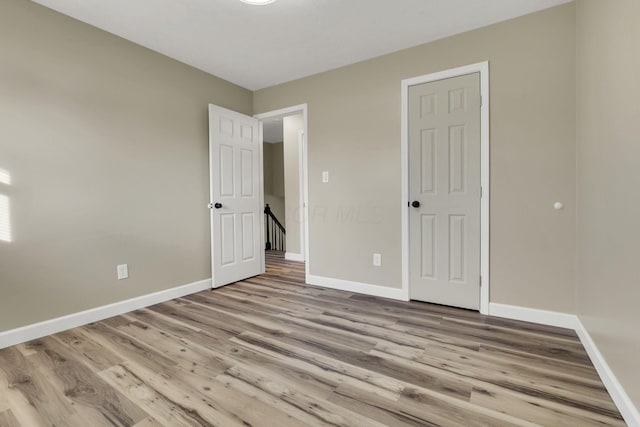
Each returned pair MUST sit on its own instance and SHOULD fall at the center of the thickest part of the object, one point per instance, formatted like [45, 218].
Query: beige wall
[292, 125]
[608, 151]
[267, 168]
[273, 167]
[278, 170]
[107, 146]
[354, 133]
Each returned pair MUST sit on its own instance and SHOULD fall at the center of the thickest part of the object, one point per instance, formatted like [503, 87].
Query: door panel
[428, 240]
[227, 243]
[236, 248]
[247, 173]
[428, 160]
[457, 167]
[457, 252]
[444, 176]
[248, 225]
[226, 179]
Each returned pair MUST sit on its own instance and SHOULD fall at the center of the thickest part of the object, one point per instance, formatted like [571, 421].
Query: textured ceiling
[260, 46]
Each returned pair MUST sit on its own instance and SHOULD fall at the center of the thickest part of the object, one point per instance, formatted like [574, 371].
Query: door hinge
[481, 100]
[480, 281]
[481, 192]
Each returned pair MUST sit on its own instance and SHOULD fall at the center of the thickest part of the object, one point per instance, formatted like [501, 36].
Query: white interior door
[236, 202]
[445, 191]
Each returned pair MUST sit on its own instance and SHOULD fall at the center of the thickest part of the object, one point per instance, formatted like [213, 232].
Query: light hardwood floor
[271, 351]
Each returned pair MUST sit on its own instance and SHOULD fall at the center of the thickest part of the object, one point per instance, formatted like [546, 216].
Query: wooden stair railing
[276, 233]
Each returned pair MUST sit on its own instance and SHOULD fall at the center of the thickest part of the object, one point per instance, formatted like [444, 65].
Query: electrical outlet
[325, 177]
[377, 260]
[123, 271]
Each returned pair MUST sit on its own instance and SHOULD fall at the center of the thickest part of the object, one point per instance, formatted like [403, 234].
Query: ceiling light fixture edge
[257, 2]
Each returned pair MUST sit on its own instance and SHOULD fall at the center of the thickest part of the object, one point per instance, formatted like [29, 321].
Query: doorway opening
[273, 161]
[284, 135]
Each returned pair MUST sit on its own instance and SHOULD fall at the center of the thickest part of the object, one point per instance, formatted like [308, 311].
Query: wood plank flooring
[272, 351]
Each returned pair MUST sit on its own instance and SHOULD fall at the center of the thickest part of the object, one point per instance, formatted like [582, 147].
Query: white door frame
[483, 69]
[303, 168]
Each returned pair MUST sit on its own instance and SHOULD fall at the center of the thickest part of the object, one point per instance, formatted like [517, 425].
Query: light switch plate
[325, 177]
[377, 260]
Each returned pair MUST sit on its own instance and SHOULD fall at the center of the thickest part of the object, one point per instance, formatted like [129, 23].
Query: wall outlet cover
[123, 271]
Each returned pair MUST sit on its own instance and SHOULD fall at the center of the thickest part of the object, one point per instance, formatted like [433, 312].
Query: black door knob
[415, 204]
[217, 205]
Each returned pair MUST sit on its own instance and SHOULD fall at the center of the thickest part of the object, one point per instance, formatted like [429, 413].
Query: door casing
[483, 69]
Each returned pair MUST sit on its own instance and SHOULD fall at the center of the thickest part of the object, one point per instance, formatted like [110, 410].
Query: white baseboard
[570, 321]
[533, 315]
[49, 327]
[292, 256]
[361, 288]
[620, 397]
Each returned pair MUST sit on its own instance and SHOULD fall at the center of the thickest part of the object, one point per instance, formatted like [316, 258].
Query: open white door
[236, 205]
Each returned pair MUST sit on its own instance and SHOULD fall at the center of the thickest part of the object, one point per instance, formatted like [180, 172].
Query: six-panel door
[236, 224]
[444, 177]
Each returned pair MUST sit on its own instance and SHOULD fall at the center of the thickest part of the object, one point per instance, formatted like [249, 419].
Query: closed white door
[445, 191]
[236, 207]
